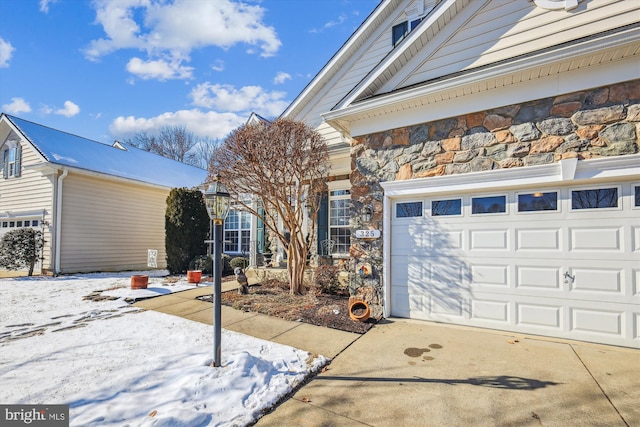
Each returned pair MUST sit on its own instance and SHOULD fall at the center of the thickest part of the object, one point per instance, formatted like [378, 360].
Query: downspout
[56, 267]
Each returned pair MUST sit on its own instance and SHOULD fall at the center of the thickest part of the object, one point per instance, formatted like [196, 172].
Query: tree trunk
[296, 267]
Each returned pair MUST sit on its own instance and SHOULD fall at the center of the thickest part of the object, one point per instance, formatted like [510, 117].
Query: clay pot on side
[194, 276]
[139, 281]
[359, 311]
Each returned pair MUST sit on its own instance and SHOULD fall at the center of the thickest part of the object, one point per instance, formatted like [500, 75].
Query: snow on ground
[116, 365]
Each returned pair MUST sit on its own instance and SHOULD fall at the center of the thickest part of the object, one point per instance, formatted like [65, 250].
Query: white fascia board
[344, 50]
[561, 173]
[473, 77]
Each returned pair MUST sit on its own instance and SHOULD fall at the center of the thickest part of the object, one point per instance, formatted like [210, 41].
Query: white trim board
[574, 170]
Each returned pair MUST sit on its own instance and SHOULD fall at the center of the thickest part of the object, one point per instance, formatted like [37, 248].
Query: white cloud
[281, 77]
[158, 69]
[245, 99]
[44, 5]
[218, 65]
[204, 124]
[17, 106]
[341, 19]
[6, 52]
[70, 109]
[173, 29]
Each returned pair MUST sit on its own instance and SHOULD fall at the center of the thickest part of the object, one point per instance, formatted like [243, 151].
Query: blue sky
[106, 69]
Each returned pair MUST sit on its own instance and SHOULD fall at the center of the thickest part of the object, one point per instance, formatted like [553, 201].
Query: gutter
[56, 266]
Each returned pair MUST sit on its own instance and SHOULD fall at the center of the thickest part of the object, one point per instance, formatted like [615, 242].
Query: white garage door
[562, 262]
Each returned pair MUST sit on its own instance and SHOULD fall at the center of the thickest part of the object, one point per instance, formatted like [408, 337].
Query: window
[237, 232]
[637, 196]
[339, 212]
[408, 209]
[11, 161]
[538, 202]
[398, 32]
[594, 199]
[446, 207]
[488, 205]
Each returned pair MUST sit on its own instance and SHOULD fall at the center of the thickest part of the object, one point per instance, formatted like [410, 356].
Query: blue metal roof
[65, 149]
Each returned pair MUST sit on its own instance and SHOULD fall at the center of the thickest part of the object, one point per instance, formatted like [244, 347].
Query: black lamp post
[216, 198]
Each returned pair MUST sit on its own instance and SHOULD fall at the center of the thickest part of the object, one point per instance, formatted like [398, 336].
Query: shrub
[241, 262]
[186, 228]
[325, 279]
[20, 248]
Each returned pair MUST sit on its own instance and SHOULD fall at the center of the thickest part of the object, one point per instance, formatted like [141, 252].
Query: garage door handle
[568, 277]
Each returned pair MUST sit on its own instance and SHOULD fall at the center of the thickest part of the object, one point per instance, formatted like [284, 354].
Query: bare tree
[204, 151]
[284, 164]
[174, 142]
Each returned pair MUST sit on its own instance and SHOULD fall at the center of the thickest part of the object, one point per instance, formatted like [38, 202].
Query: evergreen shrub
[186, 228]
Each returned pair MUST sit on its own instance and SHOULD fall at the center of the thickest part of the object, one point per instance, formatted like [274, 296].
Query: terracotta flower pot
[139, 281]
[359, 311]
[194, 276]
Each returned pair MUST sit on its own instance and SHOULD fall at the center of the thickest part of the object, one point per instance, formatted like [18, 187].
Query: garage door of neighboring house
[563, 261]
[14, 223]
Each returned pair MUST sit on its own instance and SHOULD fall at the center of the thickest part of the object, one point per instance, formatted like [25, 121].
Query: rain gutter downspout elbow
[56, 266]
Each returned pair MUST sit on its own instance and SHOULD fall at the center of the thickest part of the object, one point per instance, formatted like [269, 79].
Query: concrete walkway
[314, 339]
[411, 373]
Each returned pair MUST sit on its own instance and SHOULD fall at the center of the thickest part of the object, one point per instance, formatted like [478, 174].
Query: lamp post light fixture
[217, 201]
[366, 214]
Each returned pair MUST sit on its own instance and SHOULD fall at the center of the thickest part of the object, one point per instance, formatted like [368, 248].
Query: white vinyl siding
[110, 225]
[505, 29]
[28, 195]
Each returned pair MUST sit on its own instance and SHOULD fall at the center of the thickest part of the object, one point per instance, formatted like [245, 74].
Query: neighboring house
[100, 207]
[494, 145]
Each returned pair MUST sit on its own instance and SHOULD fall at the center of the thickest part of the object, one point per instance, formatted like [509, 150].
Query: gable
[489, 32]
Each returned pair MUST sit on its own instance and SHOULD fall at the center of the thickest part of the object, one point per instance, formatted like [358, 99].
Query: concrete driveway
[411, 373]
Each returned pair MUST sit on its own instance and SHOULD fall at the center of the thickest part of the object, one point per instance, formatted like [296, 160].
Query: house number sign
[368, 234]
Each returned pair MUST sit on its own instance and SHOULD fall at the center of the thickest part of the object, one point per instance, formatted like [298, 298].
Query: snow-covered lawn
[116, 365]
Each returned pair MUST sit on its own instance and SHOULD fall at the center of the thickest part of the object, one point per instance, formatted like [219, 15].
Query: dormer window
[398, 32]
[12, 160]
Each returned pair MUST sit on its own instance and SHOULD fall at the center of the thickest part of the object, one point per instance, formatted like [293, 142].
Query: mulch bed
[272, 298]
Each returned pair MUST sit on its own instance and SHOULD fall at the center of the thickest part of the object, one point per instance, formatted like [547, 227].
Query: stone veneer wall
[587, 124]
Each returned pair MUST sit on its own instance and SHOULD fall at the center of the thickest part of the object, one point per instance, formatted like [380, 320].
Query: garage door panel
[597, 280]
[481, 240]
[489, 275]
[538, 277]
[635, 237]
[538, 239]
[492, 311]
[589, 321]
[539, 315]
[600, 239]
